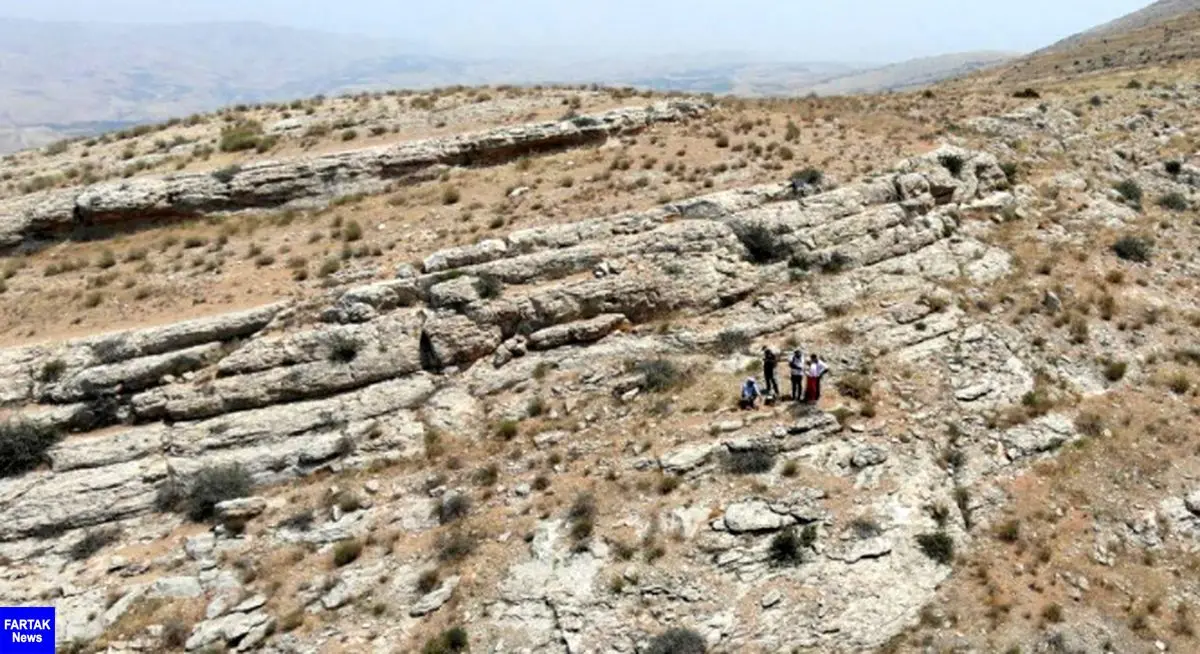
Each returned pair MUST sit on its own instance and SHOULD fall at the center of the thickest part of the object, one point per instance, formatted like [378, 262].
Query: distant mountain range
[65, 79]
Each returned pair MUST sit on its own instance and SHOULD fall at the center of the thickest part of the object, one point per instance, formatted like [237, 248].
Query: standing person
[816, 370]
[769, 363]
[750, 394]
[796, 368]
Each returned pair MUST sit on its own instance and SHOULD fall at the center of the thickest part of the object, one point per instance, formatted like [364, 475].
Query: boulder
[754, 515]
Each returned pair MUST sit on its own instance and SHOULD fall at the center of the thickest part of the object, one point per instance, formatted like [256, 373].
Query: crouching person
[750, 395]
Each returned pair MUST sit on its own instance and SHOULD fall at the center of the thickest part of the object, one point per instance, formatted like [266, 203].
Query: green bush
[226, 174]
[453, 507]
[730, 341]
[489, 286]
[1133, 248]
[1174, 202]
[751, 461]
[659, 375]
[213, 485]
[456, 546]
[507, 429]
[582, 517]
[94, 541]
[677, 641]
[808, 177]
[244, 135]
[1173, 167]
[450, 641]
[347, 552]
[1114, 371]
[952, 163]
[855, 386]
[937, 546]
[763, 245]
[23, 445]
[1131, 191]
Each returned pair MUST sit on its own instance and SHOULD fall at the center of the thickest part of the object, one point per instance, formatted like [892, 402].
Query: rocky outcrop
[274, 184]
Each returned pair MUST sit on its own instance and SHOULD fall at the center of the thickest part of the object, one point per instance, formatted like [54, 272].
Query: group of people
[806, 380]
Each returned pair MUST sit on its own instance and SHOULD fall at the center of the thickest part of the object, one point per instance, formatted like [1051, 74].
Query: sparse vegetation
[1130, 191]
[210, 486]
[23, 445]
[937, 546]
[347, 552]
[1133, 248]
[93, 541]
[953, 163]
[452, 507]
[677, 641]
[451, 641]
[752, 461]
[762, 245]
[1174, 201]
[659, 375]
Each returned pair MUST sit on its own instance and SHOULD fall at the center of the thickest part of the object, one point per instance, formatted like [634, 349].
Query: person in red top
[816, 370]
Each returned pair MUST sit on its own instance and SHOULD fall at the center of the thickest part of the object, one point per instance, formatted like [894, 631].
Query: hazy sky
[813, 30]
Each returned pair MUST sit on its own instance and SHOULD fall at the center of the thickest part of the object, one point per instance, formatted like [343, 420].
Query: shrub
[659, 375]
[667, 484]
[808, 177]
[1010, 171]
[855, 386]
[226, 174]
[730, 341]
[1131, 191]
[456, 546]
[785, 548]
[751, 461]
[94, 541]
[347, 552]
[241, 136]
[1133, 248]
[1053, 613]
[1027, 94]
[175, 633]
[1133, 84]
[213, 485]
[1173, 201]
[835, 263]
[1009, 531]
[23, 445]
[507, 429]
[864, 528]
[952, 163]
[1179, 383]
[487, 475]
[450, 641]
[1095, 101]
[937, 546]
[582, 517]
[349, 135]
[428, 581]
[677, 641]
[343, 348]
[1173, 167]
[329, 267]
[454, 506]
[763, 245]
[52, 371]
[450, 195]
[1114, 371]
[352, 231]
[489, 286]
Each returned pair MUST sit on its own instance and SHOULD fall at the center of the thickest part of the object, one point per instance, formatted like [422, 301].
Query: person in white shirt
[816, 370]
[796, 367]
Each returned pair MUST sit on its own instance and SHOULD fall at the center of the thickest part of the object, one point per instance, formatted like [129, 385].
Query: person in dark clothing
[769, 363]
[796, 368]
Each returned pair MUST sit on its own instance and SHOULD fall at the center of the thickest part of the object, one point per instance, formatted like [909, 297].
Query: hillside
[1164, 35]
[406, 371]
[1151, 15]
